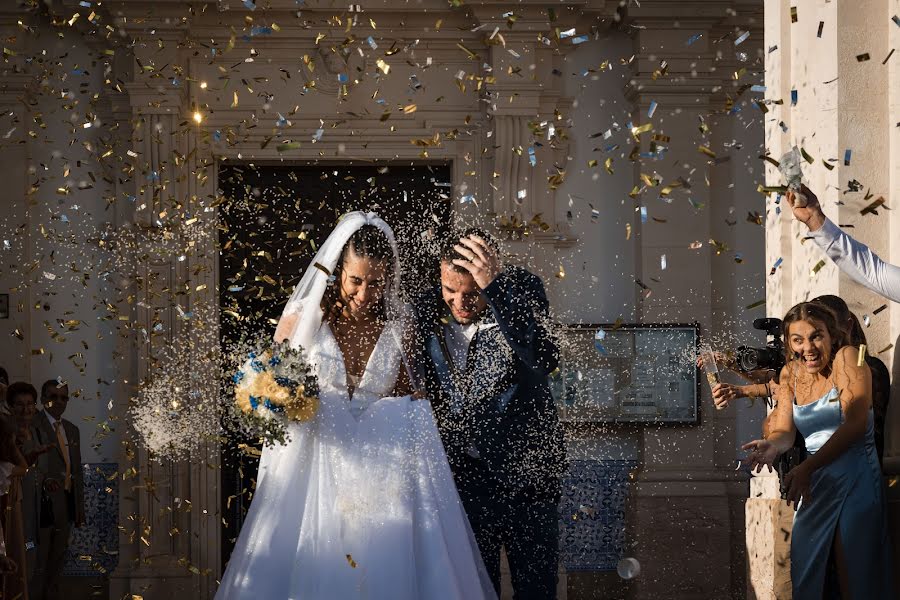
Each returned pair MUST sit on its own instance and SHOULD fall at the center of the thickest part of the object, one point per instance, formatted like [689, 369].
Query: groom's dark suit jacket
[497, 417]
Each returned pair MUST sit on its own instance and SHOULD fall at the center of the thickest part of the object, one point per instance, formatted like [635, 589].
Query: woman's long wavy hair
[855, 333]
[367, 242]
[814, 311]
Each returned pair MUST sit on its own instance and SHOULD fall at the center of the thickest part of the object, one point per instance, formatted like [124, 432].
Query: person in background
[61, 464]
[4, 382]
[852, 257]
[8, 467]
[881, 378]
[21, 399]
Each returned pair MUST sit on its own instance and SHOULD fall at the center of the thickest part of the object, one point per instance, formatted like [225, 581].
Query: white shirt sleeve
[856, 260]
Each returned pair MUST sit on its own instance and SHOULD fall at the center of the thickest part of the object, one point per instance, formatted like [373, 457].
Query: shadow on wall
[892, 462]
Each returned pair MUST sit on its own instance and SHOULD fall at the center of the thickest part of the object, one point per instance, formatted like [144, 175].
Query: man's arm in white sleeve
[856, 260]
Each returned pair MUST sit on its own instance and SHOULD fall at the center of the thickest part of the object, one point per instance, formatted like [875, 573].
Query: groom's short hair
[448, 250]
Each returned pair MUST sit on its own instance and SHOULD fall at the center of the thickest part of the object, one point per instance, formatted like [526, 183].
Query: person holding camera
[852, 257]
[841, 519]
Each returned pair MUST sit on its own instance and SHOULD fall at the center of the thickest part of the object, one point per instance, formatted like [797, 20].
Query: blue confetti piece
[531, 156]
[467, 199]
[793, 97]
[250, 4]
[371, 42]
[847, 153]
[213, 51]
[778, 263]
[261, 30]
[235, 288]
[580, 39]
[175, 82]
[758, 88]
[343, 78]
[643, 214]
[599, 336]
[693, 39]
[652, 109]
[86, 4]
[612, 148]
[742, 38]
[77, 71]
[217, 135]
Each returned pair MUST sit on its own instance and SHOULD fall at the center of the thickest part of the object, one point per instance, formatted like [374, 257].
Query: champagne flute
[709, 366]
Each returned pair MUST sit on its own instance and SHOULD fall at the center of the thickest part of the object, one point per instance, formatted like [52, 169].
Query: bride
[360, 502]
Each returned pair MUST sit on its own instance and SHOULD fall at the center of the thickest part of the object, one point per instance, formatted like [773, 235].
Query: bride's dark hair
[367, 242]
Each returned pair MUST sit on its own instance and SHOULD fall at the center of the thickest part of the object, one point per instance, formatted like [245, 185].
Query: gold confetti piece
[409, 109]
[234, 102]
[469, 53]
[861, 358]
[827, 164]
[872, 208]
[885, 349]
[707, 151]
[755, 304]
[816, 268]
[351, 561]
[627, 231]
[879, 309]
[592, 163]
[383, 66]
[636, 131]
[695, 245]
[608, 165]
[806, 156]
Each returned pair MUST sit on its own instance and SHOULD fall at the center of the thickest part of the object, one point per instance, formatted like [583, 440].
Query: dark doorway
[271, 221]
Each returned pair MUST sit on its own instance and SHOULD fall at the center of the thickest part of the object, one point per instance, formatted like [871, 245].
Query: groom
[485, 357]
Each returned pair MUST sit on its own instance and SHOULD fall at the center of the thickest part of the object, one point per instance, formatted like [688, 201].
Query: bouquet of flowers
[275, 385]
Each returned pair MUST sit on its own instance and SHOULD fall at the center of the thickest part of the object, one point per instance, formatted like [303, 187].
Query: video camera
[771, 357]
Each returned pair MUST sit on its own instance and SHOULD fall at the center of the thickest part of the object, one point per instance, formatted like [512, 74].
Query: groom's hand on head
[480, 259]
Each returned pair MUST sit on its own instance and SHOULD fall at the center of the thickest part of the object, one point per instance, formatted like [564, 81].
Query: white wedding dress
[360, 503]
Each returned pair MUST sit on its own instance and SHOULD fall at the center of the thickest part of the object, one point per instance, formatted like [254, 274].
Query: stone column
[169, 510]
[828, 93]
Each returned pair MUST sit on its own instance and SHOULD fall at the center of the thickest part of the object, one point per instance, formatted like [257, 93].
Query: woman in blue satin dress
[841, 519]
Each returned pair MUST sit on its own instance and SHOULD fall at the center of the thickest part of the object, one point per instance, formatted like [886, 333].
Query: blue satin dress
[847, 495]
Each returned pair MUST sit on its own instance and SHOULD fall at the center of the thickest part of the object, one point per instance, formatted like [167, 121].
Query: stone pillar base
[769, 521]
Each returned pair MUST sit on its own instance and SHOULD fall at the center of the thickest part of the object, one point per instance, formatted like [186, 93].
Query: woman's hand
[811, 214]
[797, 482]
[762, 453]
[724, 393]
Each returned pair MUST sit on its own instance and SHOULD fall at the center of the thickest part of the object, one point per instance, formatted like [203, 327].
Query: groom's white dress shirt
[459, 337]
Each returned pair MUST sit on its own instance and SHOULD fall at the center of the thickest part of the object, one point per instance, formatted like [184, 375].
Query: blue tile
[592, 514]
